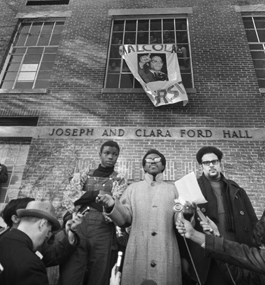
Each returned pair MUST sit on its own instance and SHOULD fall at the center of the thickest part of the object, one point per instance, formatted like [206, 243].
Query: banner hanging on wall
[156, 67]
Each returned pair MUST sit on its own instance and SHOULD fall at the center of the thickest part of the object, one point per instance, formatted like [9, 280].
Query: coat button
[203, 210]
[152, 183]
[153, 233]
[242, 213]
[153, 263]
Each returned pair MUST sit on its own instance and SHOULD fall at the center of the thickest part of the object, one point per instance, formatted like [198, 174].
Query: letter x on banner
[156, 67]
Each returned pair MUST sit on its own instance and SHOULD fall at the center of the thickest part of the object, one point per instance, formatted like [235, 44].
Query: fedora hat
[40, 209]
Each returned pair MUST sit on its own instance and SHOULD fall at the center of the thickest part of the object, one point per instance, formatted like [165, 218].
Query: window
[146, 31]
[32, 55]
[255, 31]
[13, 156]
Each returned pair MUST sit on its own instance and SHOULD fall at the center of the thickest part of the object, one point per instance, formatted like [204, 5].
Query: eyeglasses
[208, 163]
[155, 160]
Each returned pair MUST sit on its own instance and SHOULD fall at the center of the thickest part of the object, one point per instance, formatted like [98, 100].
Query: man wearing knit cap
[152, 252]
[93, 260]
[228, 206]
[20, 263]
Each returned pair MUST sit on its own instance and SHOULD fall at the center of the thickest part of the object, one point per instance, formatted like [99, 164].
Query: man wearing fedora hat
[20, 263]
[228, 206]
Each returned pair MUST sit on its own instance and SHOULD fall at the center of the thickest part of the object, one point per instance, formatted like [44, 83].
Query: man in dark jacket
[246, 265]
[20, 263]
[228, 206]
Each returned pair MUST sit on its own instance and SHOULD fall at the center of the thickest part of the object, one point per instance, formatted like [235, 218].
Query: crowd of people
[162, 246]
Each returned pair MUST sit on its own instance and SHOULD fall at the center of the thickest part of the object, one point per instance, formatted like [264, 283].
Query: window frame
[24, 18]
[147, 14]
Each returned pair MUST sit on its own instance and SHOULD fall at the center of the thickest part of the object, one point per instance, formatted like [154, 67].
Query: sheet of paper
[189, 189]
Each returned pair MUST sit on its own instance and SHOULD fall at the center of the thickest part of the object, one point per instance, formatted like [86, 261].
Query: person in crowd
[20, 263]
[52, 254]
[3, 175]
[9, 213]
[150, 68]
[93, 260]
[246, 265]
[228, 206]
[152, 252]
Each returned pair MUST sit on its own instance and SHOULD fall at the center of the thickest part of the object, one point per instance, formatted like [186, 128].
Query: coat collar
[20, 236]
[149, 178]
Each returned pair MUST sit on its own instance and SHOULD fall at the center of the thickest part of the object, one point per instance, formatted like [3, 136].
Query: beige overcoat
[152, 252]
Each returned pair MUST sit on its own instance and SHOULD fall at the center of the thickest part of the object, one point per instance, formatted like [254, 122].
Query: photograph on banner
[156, 67]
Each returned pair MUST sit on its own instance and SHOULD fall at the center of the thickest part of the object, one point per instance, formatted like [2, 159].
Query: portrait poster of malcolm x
[152, 67]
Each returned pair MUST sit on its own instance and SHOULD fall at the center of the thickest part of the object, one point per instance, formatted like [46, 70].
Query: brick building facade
[62, 97]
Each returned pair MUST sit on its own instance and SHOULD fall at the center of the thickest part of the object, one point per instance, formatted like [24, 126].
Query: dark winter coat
[242, 220]
[250, 260]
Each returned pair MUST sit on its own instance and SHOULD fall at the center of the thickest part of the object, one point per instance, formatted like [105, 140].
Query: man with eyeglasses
[228, 206]
[150, 68]
[152, 252]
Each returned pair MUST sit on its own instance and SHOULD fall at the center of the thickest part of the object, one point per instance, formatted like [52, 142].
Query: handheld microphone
[118, 265]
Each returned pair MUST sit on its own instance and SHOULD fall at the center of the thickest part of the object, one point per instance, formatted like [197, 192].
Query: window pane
[130, 25]
[258, 55]
[49, 57]
[43, 75]
[259, 22]
[118, 26]
[47, 28]
[248, 23]
[22, 35]
[127, 81]
[10, 76]
[7, 85]
[168, 24]
[32, 58]
[259, 63]
[112, 81]
[24, 85]
[260, 73]
[155, 25]
[186, 79]
[143, 25]
[55, 40]
[142, 37]
[261, 34]
[115, 65]
[251, 35]
[13, 67]
[168, 37]
[58, 28]
[46, 66]
[44, 40]
[256, 46]
[19, 50]
[36, 50]
[42, 84]
[129, 38]
[26, 76]
[261, 83]
[15, 58]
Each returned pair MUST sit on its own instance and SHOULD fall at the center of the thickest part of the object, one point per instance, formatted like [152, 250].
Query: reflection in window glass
[147, 31]
[34, 51]
[255, 31]
[14, 157]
